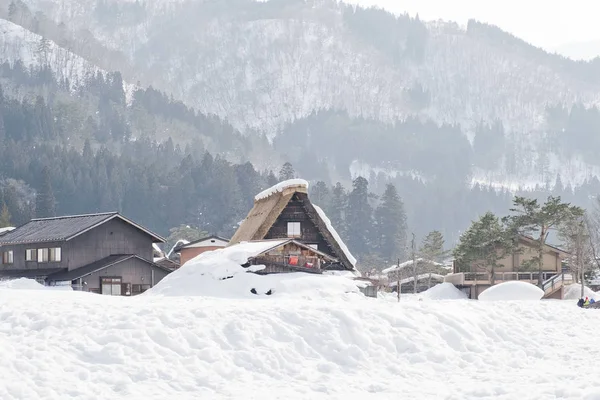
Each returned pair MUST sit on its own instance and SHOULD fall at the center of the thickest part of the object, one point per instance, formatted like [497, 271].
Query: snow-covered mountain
[20, 44]
[261, 65]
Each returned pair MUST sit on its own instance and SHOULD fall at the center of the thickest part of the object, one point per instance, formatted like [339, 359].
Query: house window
[293, 229]
[111, 286]
[42, 256]
[7, 257]
[314, 246]
[30, 255]
[55, 254]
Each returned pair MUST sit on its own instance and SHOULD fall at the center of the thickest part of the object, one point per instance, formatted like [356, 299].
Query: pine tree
[432, 247]
[390, 223]
[43, 48]
[12, 10]
[359, 217]
[530, 217]
[319, 194]
[286, 172]
[5, 216]
[336, 212]
[484, 245]
[45, 203]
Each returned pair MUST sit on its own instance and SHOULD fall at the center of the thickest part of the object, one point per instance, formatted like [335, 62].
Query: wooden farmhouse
[303, 237]
[102, 253]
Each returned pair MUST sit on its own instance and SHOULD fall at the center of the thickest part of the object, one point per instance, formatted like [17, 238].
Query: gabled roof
[178, 248]
[531, 241]
[98, 266]
[65, 228]
[269, 204]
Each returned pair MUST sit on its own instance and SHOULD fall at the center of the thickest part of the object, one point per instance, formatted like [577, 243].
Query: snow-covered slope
[17, 43]
[60, 345]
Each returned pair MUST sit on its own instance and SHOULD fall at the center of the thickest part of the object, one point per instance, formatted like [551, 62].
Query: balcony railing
[471, 278]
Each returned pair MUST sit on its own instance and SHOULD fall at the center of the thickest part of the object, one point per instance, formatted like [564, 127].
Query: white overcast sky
[546, 24]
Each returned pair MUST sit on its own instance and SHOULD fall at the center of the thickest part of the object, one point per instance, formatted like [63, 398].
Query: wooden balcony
[483, 278]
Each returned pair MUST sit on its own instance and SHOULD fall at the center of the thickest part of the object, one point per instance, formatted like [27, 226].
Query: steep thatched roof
[271, 203]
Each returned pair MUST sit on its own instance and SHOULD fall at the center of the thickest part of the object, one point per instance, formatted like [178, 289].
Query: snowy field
[68, 345]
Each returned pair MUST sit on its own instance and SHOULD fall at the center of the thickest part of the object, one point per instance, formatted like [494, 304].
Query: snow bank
[512, 291]
[280, 187]
[219, 273]
[21, 284]
[29, 284]
[335, 235]
[143, 348]
[573, 292]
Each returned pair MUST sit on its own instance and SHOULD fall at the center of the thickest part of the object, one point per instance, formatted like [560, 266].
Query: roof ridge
[76, 216]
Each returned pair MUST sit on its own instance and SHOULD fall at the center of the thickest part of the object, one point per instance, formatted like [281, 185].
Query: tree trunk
[541, 256]
[582, 282]
[493, 276]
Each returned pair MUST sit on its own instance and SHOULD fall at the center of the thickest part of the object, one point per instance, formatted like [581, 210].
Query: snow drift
[444, 291]
[219, 273]
[151, 348]
[29, 284]
[573, 292]
[512, 291]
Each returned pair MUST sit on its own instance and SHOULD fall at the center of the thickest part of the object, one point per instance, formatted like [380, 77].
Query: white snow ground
[72, 345]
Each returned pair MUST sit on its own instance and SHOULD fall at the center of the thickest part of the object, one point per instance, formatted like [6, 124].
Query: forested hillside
[263, 65]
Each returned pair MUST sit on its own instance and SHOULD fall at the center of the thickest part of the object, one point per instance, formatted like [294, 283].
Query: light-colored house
[473, 280]
[190, 250]
[429, 272]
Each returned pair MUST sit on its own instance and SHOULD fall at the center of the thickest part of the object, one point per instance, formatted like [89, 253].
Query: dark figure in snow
[580, 303]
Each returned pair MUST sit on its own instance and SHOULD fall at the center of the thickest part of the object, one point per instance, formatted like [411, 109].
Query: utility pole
[412, 245]
[398, 277]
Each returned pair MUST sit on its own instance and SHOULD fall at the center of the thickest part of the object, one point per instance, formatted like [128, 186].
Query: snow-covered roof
[419, 277]
[7, 229]
[280, 187]
[180, 242]
[410, 263]
[156, 248]
[335, 235]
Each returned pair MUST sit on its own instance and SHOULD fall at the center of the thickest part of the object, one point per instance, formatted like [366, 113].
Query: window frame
[291, 229]
[52, 254]
[33, 253]
[40, 255]
[8, 257]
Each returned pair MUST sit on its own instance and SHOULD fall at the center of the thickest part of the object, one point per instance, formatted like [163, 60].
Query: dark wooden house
[286, 212]
[102, 253]
[285, 255]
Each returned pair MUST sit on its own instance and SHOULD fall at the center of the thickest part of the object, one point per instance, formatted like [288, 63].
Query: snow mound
[444, 291]
[29, 284]
[280, 187]
[335, 235]
[512, 291]
[219, 273]
[573, 292]
[22, 284]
